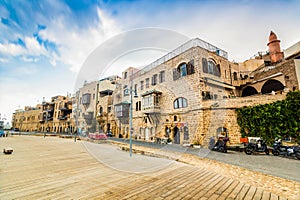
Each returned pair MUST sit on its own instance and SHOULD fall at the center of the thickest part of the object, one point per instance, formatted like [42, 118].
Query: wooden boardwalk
[54, 168]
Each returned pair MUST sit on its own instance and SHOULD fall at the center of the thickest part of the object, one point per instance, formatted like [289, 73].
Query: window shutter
[204, 65]
[176, 74]
[190, 67]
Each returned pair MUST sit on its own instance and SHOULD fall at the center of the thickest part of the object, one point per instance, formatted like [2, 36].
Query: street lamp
[130, 117]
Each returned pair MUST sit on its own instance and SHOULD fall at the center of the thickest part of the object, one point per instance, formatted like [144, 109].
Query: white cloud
[11, 49]
[74, 45]
[4, 60]
[28, 59]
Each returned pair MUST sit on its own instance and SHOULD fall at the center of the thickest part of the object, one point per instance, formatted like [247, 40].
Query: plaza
[56, 168]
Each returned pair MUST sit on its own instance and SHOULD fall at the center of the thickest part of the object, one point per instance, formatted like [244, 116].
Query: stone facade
[170, 96]
[52, 116]
[193, 96]
[105, 113]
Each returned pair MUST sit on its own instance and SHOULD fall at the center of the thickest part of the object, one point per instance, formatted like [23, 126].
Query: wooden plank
[250, 194]
[228, 190]
[224, 187]
[236, 191]
[243, 192]
[274, 197]
[258, 194]
[215, 187]
[266, 195]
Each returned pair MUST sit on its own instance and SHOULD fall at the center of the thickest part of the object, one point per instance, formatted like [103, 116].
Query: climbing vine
[278, 119]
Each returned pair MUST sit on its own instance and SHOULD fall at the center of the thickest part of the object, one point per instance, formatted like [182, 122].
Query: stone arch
[272, 85]
[248, 91]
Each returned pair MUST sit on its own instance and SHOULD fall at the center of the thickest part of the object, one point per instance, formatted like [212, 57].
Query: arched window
[182, 69]
[180, 103]
[100, 110]
[210, 67]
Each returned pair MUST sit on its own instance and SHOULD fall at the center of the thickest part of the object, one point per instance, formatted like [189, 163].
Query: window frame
[180, 102]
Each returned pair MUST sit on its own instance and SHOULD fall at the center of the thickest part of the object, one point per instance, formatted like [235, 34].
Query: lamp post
[130, 117]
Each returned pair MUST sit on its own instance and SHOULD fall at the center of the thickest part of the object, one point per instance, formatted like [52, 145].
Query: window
[184, 69]
[125, 75]
[234, 76]
[138, 106]
[93, 96]
[162, 76]
[86, 98]
[142, 85]
[204, 65]
[180, 103]
[135, 87]
[211, 67]
[206, 95]
[125, 91]
[147, 101]
[147, 82]
[154, 79]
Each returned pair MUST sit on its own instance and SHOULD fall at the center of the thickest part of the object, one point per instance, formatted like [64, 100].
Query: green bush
[278, 119]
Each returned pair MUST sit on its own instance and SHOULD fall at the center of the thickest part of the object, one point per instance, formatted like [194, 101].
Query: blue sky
[43, 44]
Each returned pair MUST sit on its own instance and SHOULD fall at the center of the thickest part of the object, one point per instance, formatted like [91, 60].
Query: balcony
[151, 109]
[151, 102]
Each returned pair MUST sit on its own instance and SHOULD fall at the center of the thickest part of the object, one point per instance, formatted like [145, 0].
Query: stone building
[105, 114]
[52, 116]
[59, 114]
[27, 120]
[170, 93]
[278, 72]
[191, 94]
[85, 106]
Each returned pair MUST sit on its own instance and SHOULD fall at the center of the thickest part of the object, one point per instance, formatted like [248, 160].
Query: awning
[218, 83]
[151, 92]
[106, 92]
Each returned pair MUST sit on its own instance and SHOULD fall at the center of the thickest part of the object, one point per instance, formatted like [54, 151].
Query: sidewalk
[56, 168]
[277, 185]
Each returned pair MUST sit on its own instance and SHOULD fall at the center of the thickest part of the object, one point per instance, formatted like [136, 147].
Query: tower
[274, 48]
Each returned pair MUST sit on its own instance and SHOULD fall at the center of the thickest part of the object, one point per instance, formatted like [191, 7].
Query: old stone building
[27, 119]
[170, 93]
[59, 114]
[105, 114]
[191, 94]
[278, 72]
[84, 107]
[52, 116]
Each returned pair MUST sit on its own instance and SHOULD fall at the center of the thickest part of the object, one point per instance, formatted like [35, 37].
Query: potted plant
[169, 141]
[196, 144]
